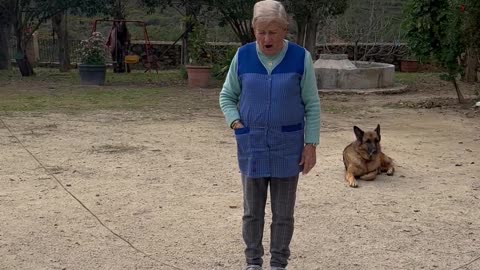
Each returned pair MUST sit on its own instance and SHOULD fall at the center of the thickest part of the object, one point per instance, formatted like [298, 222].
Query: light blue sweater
[230, 94]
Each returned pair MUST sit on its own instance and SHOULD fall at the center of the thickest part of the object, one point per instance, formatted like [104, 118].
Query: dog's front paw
[353, 184]
[350, 178]
[390, 171]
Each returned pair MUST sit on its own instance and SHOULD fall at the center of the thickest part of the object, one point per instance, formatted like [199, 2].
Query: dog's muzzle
[372, 150]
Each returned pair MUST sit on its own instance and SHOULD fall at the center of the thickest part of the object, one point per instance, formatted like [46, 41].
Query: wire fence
[47, 50]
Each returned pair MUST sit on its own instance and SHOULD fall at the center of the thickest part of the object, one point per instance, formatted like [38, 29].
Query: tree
[470, 9]
[237, 14]
[309, 14]
[59, 25]
[432, 30]
[189, 9]
[375, 34]
[26, 16]
[4, 46]
[5, 27]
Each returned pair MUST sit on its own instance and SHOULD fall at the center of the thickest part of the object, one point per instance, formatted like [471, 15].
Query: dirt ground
[159, 188]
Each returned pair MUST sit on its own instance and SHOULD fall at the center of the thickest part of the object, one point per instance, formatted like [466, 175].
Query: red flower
[462, 8]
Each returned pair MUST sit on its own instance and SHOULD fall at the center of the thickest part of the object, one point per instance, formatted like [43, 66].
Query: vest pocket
[287, 151]
[293, 141]
[242, 136]
[240, 131]
[291, 128]
[293, 137]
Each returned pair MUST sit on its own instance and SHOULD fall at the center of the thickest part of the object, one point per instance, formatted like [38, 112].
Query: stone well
[335, 71]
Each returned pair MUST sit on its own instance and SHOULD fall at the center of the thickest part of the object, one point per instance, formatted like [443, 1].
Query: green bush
[222, 63]
[183, 73]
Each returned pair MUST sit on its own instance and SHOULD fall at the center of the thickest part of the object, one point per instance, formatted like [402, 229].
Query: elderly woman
[270, 99]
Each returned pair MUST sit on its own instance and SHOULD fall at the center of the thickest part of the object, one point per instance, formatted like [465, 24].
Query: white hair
[269, 11]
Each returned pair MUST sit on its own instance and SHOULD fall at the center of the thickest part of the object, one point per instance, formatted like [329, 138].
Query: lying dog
[364, 159]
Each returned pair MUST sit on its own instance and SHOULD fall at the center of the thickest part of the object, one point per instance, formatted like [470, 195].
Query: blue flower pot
[92, 74]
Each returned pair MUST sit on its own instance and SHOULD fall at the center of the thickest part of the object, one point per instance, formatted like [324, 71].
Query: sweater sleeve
[312, 102]
[230, 94]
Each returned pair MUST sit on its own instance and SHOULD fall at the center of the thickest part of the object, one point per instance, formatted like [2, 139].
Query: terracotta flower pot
[408, 65]
[198, 76]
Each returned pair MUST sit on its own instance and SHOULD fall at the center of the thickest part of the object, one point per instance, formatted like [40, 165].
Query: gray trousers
[282, 197]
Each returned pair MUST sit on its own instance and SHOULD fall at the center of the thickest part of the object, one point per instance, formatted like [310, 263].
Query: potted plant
[199, 67]
[92, 68]
[409, 64]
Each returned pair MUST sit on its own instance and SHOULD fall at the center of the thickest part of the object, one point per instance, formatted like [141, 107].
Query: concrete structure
[335, 71]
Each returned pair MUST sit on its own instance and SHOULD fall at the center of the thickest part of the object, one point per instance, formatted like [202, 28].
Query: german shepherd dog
[364, 158]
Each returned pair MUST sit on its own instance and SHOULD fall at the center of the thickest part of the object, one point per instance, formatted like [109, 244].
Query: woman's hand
[237, 124]
[309, 158]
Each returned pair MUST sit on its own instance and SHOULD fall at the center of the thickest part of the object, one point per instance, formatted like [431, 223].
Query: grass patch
[414, 77]
[334, 107]
[168, 77]
[51, 90]
[83, 99]
[139, 77]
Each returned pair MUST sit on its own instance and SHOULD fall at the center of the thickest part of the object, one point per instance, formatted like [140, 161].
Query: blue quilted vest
[272, 112]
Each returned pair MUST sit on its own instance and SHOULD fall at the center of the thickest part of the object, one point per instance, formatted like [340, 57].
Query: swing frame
[148, 44]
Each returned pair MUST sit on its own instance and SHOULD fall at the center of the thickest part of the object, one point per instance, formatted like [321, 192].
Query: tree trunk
[355, 50]
[472, 65]
[59, 24]
[301, 32]
[188, 28]
[311, 37]
[24, 65]
[4, 46]
[118, 11]
[184, 59]
[21, 57]
[461, 99]
[191, 11]
[307, 37]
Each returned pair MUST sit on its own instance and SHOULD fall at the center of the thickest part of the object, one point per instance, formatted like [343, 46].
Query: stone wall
[169, 55]
[374, 52]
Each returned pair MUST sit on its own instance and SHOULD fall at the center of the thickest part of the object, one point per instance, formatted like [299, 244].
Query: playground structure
[118, 42]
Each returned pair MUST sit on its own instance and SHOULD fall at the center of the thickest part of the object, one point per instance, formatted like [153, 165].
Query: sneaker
[253, 267]
[277, 268]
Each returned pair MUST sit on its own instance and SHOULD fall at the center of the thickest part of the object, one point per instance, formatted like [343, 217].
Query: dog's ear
[358, 133]
[378, 132]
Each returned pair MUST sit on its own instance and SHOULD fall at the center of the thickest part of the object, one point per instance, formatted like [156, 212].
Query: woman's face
[270, 37]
